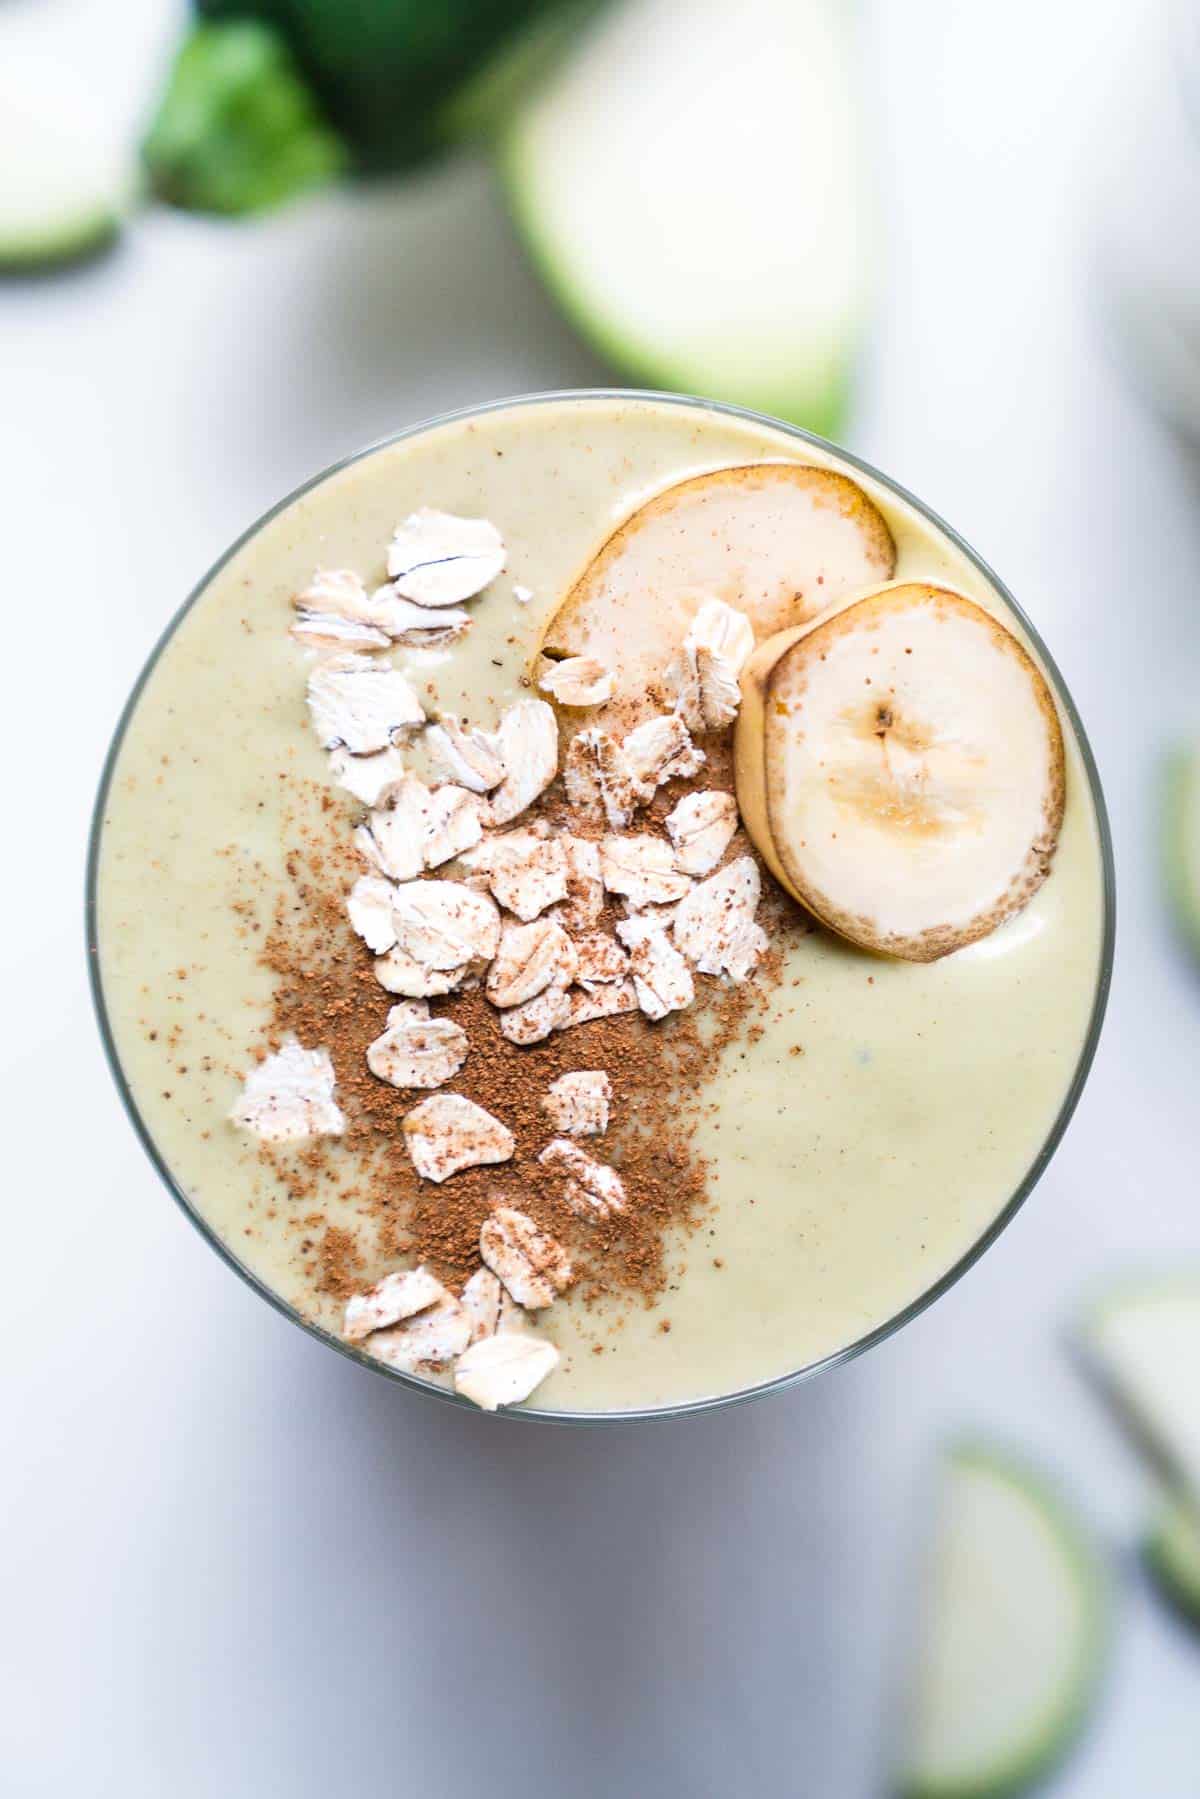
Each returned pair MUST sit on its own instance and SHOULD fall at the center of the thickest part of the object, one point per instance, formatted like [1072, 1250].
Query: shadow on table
[351, 320]
[417, 1599]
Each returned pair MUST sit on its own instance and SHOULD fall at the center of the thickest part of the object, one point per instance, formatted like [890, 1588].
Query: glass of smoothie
[600, 905]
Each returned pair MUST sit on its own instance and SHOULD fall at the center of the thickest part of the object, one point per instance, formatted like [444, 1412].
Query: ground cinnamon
[325, 992]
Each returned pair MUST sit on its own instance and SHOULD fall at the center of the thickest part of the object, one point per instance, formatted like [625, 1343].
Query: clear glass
[880, 1332]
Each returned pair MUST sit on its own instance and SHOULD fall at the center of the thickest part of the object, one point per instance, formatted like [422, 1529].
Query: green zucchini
[1143, 1341]
[270, 97]
[64, 188]
[1172, 1553]
[1181, 841]
[690, 183]
[1015, 1633]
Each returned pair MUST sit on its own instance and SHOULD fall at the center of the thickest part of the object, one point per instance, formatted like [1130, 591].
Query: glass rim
[709, 1402]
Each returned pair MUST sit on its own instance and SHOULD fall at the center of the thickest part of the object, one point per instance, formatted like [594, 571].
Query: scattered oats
[642, 867]
[361, 704]
[581, 780]
[470, 757]
[444, 924]
[325, 631]
[599, 959]
[437, 559]
[408, 1011]
[725, 631]
[596, 772]
[480, 1299]
[398, 830]
[661, 750]
[703, 675]
[533, 1267]
[369, 905]
[701, 827]
[339, 595]
[427, 1341]
[602, 1002]
[504, 1369]
[367, 847]
[396, 1296]
[289, 1095]
[399, 972]
[712, 925]
[577, 1104]
[593, 1189]
[491, 1306]
[661, 978]
[528, 745]
[447, 1132]
[662, 916]
[512, 1316]
[368, 778]
[522, 595]
[416, 626]
[418, 1052]
[743, 950]
[585, 890]
[707, 695]
[577, 681]
[537, 1018]
[531, 957]
[525, 871]
[454, 824]
[337, 592]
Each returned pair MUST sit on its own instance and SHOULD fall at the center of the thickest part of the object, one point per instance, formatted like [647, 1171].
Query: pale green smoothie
[846, 1180]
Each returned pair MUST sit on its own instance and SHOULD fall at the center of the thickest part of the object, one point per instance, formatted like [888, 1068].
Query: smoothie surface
[862, 1136]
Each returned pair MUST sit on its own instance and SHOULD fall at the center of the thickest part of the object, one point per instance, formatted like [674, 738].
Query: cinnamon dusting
[326, 993]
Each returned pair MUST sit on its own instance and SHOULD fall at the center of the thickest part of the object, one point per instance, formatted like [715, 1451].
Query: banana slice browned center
[900, 766]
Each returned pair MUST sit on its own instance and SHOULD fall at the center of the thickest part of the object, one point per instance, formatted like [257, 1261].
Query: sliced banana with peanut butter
[780, 541]
[900, 767]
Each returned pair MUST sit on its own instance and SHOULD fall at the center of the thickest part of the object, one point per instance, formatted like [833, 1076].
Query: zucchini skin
[384, 70]
[1171, 1553]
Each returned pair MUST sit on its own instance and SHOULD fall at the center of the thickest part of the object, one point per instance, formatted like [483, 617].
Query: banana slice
[900, 767]
[778, 540]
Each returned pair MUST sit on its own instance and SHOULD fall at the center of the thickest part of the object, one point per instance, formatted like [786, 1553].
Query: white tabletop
[232, 1563]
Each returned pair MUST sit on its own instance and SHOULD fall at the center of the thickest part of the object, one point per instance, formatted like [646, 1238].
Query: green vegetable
[270, 97]
[63, 189]
[1015, 1634]
[237, 130]
[1172, 1554]
[1181, 841]
[690, 183]
[1143, 1340]
[480, 109]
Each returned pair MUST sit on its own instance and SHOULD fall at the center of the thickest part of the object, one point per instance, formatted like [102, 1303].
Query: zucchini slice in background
[1143, 1340]
[1172, 1554]
[64, 187]
[1015, 1633]
[690, 184]
[1181, 841]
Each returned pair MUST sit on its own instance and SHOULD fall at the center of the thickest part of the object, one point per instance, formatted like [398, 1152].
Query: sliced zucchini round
[1014, 1638]
[1181, 840]
[1172, 1554]
[690, 183]
[1143, 1339]
[64, 188]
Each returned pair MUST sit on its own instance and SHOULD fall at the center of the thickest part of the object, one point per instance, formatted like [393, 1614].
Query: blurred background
[964, 240]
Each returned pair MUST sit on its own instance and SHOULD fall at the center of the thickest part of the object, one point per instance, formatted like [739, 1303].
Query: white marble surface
[230, 1562]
